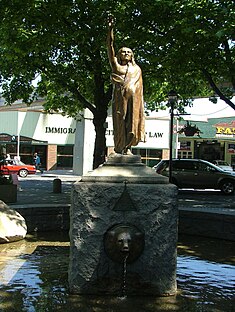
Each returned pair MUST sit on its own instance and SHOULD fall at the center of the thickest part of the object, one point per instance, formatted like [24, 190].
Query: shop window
[185, 150]
[65, 156]
[27, 151]
[185, 145]
[26, 154]
[42, 152]
[185, 154]
[11, 148]
[150, 157]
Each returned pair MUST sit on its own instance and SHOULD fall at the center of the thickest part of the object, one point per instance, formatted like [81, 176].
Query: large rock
[12, 225]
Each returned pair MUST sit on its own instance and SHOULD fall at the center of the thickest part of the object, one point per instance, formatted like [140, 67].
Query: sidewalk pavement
[61, 174]
[37, 190]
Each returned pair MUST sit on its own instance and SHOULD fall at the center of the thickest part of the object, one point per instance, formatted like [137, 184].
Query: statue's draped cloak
[128, 109]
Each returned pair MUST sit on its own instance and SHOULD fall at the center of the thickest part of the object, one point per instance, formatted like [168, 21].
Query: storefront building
[22, 133]
[63, 142]
[156, 146]
[215, 141]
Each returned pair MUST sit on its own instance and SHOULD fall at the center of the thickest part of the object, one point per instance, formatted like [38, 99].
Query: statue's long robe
[128, 109]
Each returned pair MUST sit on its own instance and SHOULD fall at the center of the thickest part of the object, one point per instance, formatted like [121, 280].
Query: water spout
[123, 293]
[121, 240]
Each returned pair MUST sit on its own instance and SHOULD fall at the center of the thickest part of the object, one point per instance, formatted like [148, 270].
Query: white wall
[157, 133]
[84, 144]
[53, 128]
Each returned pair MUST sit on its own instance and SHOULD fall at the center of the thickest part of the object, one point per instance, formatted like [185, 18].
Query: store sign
[60, 130]
[225, 129]
[231, 148]
[185, 145]
[157, 134]
[149, 134]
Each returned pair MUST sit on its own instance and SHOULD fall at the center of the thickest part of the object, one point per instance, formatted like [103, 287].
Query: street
[36, 189]
[206, 198]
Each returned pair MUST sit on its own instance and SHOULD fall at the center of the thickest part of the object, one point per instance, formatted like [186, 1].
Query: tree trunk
[216, 89]
[101, 101]
[100, 139]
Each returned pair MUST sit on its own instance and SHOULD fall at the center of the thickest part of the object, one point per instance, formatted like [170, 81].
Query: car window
[222, 163]
[164, 166]
[206, 167]
[185, 165]
[9, 162]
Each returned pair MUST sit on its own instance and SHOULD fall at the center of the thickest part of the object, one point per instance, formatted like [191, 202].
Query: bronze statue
[127, 102]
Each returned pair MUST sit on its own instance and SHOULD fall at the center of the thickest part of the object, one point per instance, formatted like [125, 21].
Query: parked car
[198, 174]
[223, 165]
[8, 167]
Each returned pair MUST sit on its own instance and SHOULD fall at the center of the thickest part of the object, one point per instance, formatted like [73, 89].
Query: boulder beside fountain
[123, 196]
[12, 225]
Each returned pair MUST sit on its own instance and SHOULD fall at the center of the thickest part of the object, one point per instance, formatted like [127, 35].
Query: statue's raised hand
[110, 21]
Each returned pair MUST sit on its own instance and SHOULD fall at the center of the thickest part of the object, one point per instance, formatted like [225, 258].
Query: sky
[202, 110]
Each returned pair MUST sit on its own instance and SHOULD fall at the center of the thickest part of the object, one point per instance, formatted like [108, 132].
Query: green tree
[63, 42]
[185, 45]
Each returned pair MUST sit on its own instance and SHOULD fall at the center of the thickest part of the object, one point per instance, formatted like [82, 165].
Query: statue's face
[125, 55]
[124, 241]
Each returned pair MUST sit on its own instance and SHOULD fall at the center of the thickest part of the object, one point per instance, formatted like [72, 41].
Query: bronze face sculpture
[123, 241]
[127, 102]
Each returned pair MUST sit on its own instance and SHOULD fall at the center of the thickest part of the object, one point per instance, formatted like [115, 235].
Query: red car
[16, 166]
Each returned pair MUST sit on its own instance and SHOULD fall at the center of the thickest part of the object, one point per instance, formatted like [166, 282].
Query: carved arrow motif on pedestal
[125, 203]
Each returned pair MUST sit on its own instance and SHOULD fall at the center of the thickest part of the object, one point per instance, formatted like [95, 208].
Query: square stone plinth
[97, 207]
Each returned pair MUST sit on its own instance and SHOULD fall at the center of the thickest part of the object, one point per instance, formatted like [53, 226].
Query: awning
[8, 138]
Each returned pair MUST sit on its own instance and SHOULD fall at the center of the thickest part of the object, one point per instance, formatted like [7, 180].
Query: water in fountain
[33, 278]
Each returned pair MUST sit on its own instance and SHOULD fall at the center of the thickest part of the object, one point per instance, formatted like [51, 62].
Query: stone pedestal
[123, 192]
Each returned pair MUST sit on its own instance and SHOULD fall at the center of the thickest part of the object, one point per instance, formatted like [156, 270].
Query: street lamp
[172, 99]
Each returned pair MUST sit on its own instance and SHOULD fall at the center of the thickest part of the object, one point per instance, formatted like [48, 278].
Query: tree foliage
[185, 45]
[63, 42]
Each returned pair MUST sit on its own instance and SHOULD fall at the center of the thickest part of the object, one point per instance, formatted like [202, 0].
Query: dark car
[198, 174]
[223, 165]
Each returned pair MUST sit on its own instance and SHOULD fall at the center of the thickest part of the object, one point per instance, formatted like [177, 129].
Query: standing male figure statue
[127, 102]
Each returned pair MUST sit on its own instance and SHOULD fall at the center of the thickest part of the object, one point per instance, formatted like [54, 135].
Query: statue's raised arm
[110, 40]
[127, 102]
